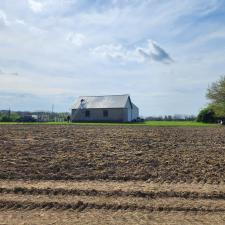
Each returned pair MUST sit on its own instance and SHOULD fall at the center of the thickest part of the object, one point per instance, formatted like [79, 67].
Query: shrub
[6, 119]
[206, 115]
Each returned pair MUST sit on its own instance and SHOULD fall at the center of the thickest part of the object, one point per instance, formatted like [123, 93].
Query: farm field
[145, 123]
[112, 175]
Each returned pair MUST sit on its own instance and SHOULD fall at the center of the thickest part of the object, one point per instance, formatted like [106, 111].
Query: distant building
[108, 108]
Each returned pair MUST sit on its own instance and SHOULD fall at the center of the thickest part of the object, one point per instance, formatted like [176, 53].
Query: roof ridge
[102, 95]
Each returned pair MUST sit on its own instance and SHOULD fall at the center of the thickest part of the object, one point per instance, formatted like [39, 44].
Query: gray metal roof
[107, 101]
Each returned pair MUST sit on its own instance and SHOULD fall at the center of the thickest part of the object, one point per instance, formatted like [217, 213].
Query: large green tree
[216, 93]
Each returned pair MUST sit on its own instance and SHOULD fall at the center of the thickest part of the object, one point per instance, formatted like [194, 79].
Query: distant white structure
[108, 108]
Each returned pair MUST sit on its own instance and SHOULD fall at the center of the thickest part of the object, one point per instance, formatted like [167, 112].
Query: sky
[163, 53]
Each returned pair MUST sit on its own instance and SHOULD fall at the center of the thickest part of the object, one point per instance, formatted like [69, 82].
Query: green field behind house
[146, 123]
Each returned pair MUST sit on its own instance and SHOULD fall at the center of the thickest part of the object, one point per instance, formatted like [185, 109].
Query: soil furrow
[119, 193]
[15, 205]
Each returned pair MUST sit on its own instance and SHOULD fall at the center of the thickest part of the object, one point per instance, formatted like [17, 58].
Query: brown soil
[111, 175]
[112, 153]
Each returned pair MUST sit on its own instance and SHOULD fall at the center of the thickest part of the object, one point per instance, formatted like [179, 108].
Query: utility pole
[52, 112]
[9, 113]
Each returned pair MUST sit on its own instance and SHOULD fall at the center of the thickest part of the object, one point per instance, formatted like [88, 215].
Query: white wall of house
[135, 112]
[114, 115]
[132, 111]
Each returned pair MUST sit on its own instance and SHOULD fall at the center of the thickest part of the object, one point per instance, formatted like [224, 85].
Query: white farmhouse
[107, 108]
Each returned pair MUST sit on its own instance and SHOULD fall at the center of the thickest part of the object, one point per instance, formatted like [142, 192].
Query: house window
[87, 113]
[105, 113]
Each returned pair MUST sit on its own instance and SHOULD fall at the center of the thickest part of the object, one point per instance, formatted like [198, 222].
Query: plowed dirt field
[111, 175]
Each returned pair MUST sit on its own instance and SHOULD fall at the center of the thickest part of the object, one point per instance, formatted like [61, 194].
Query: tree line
[177, 117]
[17, 116]
[215, 111]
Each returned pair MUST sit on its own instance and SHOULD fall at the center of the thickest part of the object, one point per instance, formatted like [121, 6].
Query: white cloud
[3, 73]
[35, 6]
[155, 53]
[113, 51]
[21, 22]
[76, 39]
[3, 19]
[117, 52]
[152, 52]
[209, 36]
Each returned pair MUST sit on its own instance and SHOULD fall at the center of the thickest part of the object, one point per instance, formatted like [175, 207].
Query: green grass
[179, 123]
[146, 123]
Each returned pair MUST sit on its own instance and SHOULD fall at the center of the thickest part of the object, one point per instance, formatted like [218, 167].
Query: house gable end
[128, 103]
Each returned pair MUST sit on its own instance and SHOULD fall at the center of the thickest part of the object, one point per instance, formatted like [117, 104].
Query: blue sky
[163, 53]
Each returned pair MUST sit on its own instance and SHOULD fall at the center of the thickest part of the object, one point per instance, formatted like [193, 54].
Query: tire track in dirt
[80, 206]
[117, 193]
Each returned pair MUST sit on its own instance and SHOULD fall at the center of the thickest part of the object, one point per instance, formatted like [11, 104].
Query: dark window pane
[87, 113]
[105, 113]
